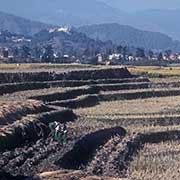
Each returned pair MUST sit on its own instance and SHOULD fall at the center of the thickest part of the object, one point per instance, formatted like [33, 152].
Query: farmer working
[58, 132]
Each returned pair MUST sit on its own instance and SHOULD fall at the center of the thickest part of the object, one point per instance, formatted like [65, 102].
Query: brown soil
[95, 149]
[68, 175]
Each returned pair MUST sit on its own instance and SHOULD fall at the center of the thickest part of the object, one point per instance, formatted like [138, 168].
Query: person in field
[64, 133]
[58, 132]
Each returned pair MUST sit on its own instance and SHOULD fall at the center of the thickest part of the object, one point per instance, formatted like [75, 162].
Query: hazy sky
[133, 5]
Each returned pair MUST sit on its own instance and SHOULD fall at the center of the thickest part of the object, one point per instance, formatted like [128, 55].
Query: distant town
[114, 57]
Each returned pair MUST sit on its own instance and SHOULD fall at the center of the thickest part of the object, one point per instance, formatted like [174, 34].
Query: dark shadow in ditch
[84, 149]
[8, 176]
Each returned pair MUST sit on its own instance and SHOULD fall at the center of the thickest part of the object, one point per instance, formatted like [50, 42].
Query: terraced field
[120, 126]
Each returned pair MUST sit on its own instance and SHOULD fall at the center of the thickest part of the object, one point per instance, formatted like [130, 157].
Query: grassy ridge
[155, 71]
[152, 71]
[45, 66]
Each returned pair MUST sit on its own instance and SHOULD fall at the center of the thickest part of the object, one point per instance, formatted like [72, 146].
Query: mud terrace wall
[71, 75]
[84, 148]
[67, 94]
[31, 128]
[125, 86]
[22, 86]
[139, 94]
[16, 110]
[69, 175]
[79, 102]
[101, 84]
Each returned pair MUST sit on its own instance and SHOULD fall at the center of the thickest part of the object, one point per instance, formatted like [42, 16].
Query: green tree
[37, 51]
[160, 56]
[119, 49]
[124, 52]
[48, 55]
[150, 54]
[140, 52]
[26, 51]
[167, 53]
[5, 53]
[15, 52]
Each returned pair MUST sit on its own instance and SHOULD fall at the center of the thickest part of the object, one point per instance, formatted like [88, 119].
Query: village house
[178, 57]
[173, 57]
[99, 58]
[131, 58]
[115, 56]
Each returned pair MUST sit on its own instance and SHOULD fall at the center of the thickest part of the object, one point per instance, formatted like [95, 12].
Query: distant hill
[86, 12]
[64, 12]
[69, 41]
[155, 15]
[18, 25]
[127, 35]
[118, 34]
[63, 40]
[132, 6]
[7, 38]
[166, 21]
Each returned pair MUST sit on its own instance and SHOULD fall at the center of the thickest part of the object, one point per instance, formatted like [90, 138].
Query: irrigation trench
[98, 149]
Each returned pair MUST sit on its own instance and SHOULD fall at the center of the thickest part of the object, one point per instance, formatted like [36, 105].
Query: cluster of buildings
[113, 58]
[117, 57]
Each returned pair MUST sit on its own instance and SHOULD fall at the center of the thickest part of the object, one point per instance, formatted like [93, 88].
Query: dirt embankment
[71, 75]
[67, 175]
[139, 94]
[66, 94]
[58, 175]
[31, 128]
[83, 150]
[12, 111]
[22, 86]
[100, 84]
[43, 155]
[79, 102]
[130, 146]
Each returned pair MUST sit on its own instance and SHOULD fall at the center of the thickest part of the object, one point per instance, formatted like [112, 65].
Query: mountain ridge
[19, 25]
[118, 34]
[130, 36]
[64, 12]
[85, 12]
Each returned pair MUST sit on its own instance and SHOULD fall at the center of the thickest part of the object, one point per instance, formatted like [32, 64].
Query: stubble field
[119, 125]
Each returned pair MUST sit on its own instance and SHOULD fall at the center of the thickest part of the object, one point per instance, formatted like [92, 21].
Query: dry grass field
[155, 71]
[118, 128]
[126, 108]
[43, 67]
[157, 161]
[140, 70]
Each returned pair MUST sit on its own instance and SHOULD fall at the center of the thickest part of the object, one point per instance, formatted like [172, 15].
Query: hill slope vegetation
[18, 25]
[129, 36]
